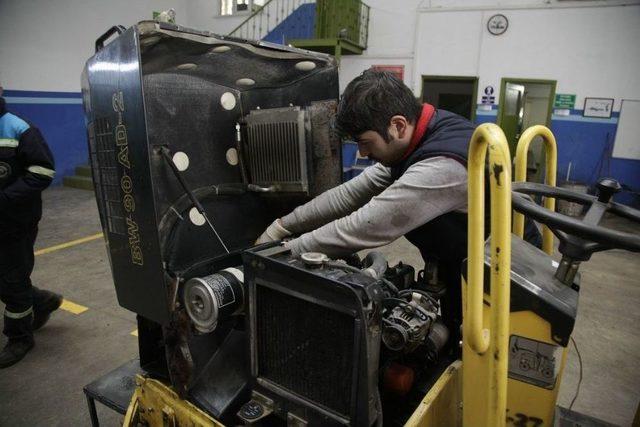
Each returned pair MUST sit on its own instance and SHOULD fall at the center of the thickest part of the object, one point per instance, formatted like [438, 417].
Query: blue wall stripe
[62, 125]
[574, 115]
[579, 118]
[41, 94]
[585, 142]
[36, 100]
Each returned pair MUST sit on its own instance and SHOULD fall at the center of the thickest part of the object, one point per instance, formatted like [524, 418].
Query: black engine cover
[161, 86]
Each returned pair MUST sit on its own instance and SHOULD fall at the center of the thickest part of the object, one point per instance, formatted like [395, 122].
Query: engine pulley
[212, 298]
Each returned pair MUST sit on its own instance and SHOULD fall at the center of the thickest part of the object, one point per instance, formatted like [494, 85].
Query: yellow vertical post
[484, 384]
[551, 164]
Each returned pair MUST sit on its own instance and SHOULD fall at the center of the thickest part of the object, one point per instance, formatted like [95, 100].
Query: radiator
[275, 149]
[314, 339]
[306, 348]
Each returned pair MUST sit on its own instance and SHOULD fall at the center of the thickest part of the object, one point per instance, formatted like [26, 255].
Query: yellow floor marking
[68, 244]
[134, 333]
[72, 307]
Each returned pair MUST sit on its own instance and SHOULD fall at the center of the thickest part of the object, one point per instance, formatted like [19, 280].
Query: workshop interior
[197, 139]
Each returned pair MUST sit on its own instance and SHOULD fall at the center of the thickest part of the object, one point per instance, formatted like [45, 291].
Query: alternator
[406, 325]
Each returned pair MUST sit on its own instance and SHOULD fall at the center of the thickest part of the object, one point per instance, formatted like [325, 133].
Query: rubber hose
[374, 264]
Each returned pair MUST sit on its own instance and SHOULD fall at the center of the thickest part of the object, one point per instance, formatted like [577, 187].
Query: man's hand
[275, 231]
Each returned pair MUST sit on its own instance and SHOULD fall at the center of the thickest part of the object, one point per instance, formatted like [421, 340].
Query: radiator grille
[275, 149]
[105, 175]
[305, 348]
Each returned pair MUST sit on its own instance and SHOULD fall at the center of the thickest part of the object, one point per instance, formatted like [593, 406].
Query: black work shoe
[14, 351]
[42, 312]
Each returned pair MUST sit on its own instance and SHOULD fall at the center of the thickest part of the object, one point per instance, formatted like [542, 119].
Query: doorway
[524, 103]
[457, 94]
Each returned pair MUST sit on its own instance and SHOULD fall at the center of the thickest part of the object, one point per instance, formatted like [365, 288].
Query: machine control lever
[607, 187]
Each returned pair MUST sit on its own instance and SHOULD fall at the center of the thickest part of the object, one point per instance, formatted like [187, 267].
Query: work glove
[275, 231]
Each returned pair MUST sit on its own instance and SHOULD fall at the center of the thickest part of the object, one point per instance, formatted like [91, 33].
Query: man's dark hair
[369, 102]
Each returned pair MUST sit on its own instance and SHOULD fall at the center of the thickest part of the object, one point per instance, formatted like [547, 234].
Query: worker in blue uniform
[26, 169]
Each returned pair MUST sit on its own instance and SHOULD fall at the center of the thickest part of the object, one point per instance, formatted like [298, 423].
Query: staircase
[337, 27]
[82, 179]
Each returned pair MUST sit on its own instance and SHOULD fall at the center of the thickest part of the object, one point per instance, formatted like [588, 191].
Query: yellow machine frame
[551, 161]
[155, 404]
[485, 396]
[469, 395]
[480, 387]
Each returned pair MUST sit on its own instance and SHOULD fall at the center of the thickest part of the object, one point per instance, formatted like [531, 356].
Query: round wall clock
[497, 24]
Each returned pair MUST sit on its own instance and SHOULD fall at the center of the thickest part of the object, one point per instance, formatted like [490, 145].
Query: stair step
[83, 170]
[81, 182]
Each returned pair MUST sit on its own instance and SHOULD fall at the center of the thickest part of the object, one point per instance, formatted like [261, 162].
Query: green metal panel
[335, 47]
[346, 19]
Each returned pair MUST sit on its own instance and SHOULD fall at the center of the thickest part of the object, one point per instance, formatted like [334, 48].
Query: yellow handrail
[489, 136]
[551, 162]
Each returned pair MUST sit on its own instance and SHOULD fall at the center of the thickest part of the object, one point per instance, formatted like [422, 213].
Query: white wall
[391, 39]
[205, 15]
[590, 48]
[45, 43]
[590, 51]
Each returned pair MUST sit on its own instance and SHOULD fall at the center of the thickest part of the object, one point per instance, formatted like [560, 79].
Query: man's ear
[399, 127]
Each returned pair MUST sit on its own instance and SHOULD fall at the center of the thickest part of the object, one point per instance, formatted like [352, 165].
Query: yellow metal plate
[155, 404]
[441, 406]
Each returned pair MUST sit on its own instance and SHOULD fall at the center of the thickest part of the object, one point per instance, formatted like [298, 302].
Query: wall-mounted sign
[397, 70]
[598, 107]
[564, 100]
[497, 24]
[488, 97]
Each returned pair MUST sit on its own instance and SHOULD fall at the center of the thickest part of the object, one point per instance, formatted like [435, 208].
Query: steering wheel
[579, 238]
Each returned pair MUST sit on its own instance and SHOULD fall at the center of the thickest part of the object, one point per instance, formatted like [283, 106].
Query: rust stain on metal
[497, 172]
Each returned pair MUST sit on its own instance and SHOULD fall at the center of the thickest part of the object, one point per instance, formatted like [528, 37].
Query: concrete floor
[45, 389]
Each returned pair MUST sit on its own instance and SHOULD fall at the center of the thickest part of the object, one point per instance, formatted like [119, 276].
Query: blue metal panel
[300, 24]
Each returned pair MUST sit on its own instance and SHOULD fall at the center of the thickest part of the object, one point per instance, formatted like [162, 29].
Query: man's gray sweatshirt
[372, 210]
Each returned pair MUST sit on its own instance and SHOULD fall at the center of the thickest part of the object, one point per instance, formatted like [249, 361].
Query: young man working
[26, 169]
[417, 190]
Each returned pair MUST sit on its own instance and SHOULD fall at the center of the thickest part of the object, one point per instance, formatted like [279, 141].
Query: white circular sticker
[181, 160]
[196, 217]
[228, 101]
[221, 49]
[232, 156]
[245, 82]
[305, 65]
[188, 66]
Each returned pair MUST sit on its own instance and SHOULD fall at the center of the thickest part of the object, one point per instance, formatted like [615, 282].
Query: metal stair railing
[260, 23]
